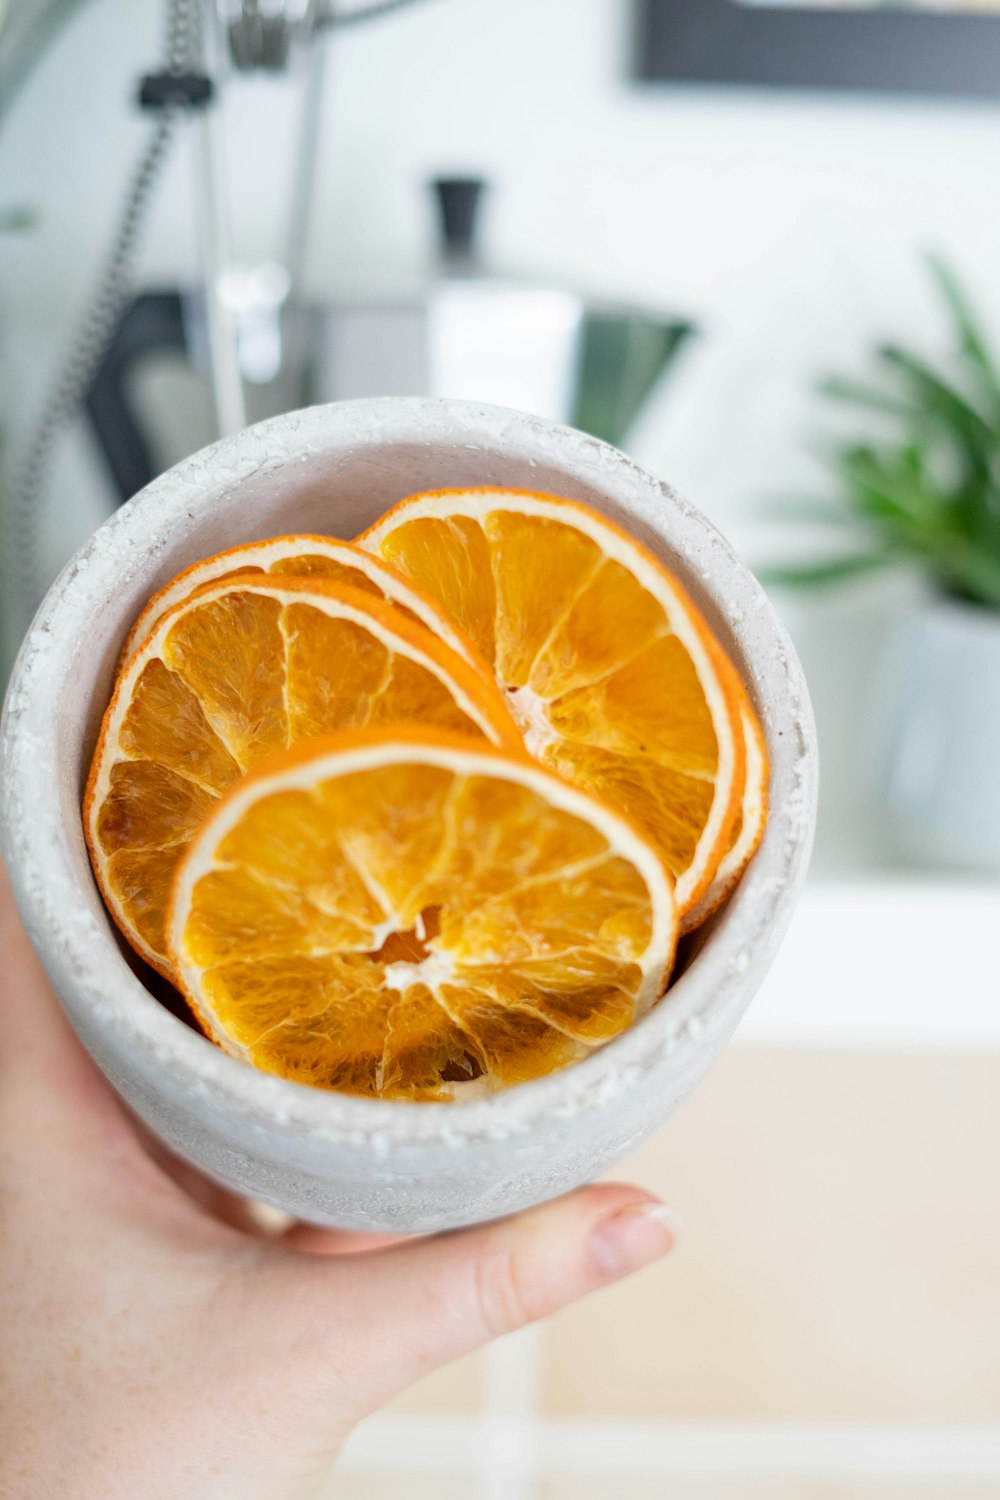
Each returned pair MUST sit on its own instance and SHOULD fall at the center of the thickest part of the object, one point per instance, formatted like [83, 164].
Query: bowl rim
[97, 982]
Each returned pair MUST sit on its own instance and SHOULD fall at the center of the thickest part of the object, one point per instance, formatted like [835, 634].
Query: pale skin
[156, 1343]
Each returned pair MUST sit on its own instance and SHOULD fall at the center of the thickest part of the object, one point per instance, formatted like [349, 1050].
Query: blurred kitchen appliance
[469, 333]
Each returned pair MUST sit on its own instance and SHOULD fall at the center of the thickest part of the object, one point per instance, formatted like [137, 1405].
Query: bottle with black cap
[496, 338]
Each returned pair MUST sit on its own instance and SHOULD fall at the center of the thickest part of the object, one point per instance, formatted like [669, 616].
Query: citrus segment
[302, 556]
[610, 670]
[242, 668]
[395, 912]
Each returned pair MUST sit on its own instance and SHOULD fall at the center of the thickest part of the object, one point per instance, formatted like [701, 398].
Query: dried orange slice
[750, 820]
[239, 669]
[610, 669]
[402, 913]
[304, 556]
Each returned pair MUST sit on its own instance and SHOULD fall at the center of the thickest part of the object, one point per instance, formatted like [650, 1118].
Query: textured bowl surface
[323, 1156]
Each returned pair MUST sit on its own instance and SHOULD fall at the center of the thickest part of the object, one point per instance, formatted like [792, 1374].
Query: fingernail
[633, 1237]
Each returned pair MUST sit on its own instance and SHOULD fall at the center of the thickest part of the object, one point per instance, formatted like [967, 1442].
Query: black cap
[458, 200]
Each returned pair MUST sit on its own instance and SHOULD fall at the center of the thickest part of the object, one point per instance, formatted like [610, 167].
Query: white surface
[508, 1454]
[685, 1450]
[872, 963]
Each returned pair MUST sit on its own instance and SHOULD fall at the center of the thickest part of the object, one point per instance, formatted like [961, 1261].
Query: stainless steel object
[536, 345]
[467, 334]
[262, 33]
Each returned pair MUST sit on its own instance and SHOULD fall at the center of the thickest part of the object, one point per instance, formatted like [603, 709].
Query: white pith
[735, 859]
[753, 802]
[532, 718]
[436, 969]
[477, 504]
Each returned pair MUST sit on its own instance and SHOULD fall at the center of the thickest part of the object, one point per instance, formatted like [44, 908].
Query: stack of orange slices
[423, 815]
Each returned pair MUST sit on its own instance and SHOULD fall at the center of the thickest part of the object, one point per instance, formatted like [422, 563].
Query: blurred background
[756, 245]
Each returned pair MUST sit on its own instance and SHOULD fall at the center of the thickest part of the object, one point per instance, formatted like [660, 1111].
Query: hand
[158, 1344]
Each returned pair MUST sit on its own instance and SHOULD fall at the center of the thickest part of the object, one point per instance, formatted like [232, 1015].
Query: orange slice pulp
[407, 914]
[608, 665]
[241, 668]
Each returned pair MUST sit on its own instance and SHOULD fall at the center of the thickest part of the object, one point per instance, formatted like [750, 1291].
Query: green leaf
[971, 571]
[928, 493]
[973, 341]
[941, 400]
[858, 393]
[832, 570]
[878, 490]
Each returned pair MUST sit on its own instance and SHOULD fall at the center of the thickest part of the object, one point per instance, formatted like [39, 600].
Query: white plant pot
[323, 1156]
[940, 778]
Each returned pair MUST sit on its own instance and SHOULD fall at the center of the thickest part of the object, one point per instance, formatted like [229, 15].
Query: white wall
[788, 225]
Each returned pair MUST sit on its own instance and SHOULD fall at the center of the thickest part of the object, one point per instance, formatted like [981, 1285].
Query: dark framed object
[887, 48]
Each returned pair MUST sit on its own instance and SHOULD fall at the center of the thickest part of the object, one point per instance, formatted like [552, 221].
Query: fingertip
[619, 1227]
[632, 1237]
[437, 1297]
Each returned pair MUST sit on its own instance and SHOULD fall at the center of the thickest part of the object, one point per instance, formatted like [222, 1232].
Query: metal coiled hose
[32, 460]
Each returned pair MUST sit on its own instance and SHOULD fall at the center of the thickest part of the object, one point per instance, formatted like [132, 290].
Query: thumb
[416, 1306]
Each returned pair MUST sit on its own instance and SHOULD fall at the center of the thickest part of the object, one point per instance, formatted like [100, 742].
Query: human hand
[159, 1344]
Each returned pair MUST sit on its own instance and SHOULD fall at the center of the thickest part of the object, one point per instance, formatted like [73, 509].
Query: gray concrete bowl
[323, 1156]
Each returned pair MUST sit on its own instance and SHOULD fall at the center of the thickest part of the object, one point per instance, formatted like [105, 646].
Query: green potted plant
[922, 489]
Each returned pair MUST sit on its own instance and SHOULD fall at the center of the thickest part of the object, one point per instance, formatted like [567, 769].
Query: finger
[419, 1305]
